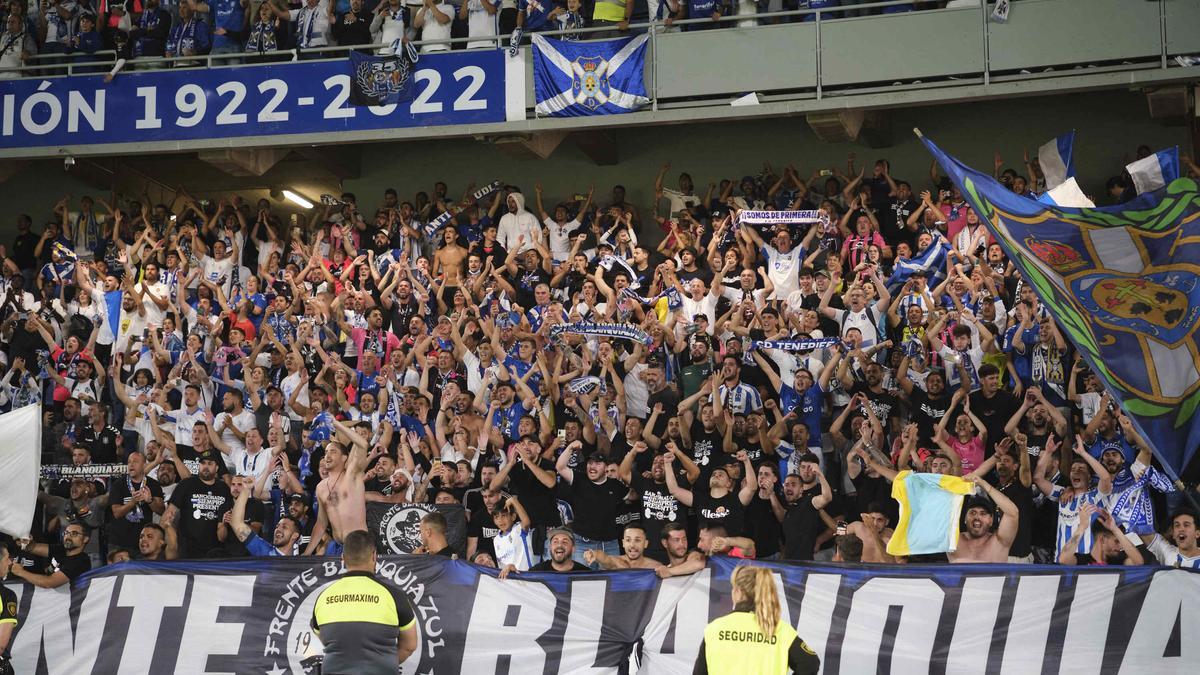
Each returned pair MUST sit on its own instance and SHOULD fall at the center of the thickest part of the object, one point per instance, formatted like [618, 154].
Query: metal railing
[58, 65]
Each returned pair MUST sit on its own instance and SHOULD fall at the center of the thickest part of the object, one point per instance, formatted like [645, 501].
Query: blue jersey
[258, 547]
[506, 418]
[807, 406]
[1131, 504]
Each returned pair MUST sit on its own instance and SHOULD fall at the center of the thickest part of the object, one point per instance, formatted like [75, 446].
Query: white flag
[20, 466]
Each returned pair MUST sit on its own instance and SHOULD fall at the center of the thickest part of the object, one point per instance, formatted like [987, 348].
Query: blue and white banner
[1068, 193]
[1056, 157]
[603, 77]
[621, 331]
[251, 616]
[144, 107]
[1155, 171]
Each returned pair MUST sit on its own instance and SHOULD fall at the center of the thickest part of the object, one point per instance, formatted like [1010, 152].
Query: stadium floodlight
[297, 199]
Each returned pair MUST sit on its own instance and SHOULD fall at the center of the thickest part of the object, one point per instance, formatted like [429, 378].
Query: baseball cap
[209, 456]
[296, 497]
[561, 530]
[598, 457]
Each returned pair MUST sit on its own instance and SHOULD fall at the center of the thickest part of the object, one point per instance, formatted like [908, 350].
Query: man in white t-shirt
[1179, 548]
[784, 260]
[388, 26]
[233, 423]
[699, 299]
[433, 20]
[680, 199]
[857, 314]
[217, 269]
[559, 229]
[154, 294]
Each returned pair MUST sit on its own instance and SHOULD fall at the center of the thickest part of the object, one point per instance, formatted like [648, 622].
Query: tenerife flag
[1056, 161]
[1066, 194]
[1157, 170]
[931, 261]
[1121, 283]
[574, 79]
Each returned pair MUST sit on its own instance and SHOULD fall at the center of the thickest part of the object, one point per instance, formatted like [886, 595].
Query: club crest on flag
[1056, 254]
[1155, 304]
[589, 78]
[590, 82]
[382, 79]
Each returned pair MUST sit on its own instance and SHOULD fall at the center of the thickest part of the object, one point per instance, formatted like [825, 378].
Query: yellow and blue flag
[1121, 281]
[930, 506]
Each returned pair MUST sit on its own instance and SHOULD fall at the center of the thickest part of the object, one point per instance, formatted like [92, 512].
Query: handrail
[657, 30]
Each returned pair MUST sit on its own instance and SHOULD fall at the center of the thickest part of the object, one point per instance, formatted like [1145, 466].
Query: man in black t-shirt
[596, 499]
[481, 529]
[659, 506]
[200, 502]
[133, 500]
[724, 503]
[805, 494]
[993, 405]
[68, 560]
[254, 516]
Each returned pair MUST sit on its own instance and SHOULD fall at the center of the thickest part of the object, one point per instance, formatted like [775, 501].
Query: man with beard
[251, 515]
[1131, 505]
[681, 561]
[983, 541]
[562, 555]
[1015, 481]
[518, 230]
[658, 505]
[634, 542]
[433, 535]
[283, 541]
[68, 560]
[1041, 421]
[721, 505]
[927, 406]
[873, 533]
[200, 502]
[341, 494]
[595, 501]
[133, 502]
[805, 494]
[1179, 548]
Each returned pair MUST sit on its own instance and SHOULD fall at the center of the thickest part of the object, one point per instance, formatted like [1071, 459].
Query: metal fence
[832, 52]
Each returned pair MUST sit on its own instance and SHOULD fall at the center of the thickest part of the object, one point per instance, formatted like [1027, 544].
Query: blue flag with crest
[382, 80]
[1121, 282]
[576, 79]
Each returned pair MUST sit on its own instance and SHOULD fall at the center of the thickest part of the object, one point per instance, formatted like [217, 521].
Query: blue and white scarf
[585, 385]
[608, 261]
[748, 217]
[613, 330]
[802, 345]
[674, 299]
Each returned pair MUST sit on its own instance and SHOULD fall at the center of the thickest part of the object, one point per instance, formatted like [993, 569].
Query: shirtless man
[978, 543]
[449, 258]
[680, 560]
[634, 543]
[342, 493]
[874, 532]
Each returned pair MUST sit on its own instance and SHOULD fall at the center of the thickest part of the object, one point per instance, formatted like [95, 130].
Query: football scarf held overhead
[585, 385]
[382, 80]
[614, 330]
[748, 217]
[803, 345]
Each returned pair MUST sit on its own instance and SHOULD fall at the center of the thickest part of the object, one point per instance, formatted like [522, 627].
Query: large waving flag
[1154, 171]
[1121, 282]
[574, 79]
[1056, 157]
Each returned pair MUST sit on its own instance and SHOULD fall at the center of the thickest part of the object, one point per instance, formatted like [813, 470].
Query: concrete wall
[1109, 127]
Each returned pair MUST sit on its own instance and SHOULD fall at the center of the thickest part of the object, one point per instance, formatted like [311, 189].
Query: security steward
[752, 638]
[8, 614]
[367, 628]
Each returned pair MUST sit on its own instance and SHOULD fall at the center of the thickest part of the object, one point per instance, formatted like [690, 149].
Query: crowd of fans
[259, 379]
[59, 31]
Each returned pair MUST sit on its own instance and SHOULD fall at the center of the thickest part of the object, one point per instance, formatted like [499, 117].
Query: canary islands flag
[574, 79]
[1121, 282]
[930, 505]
